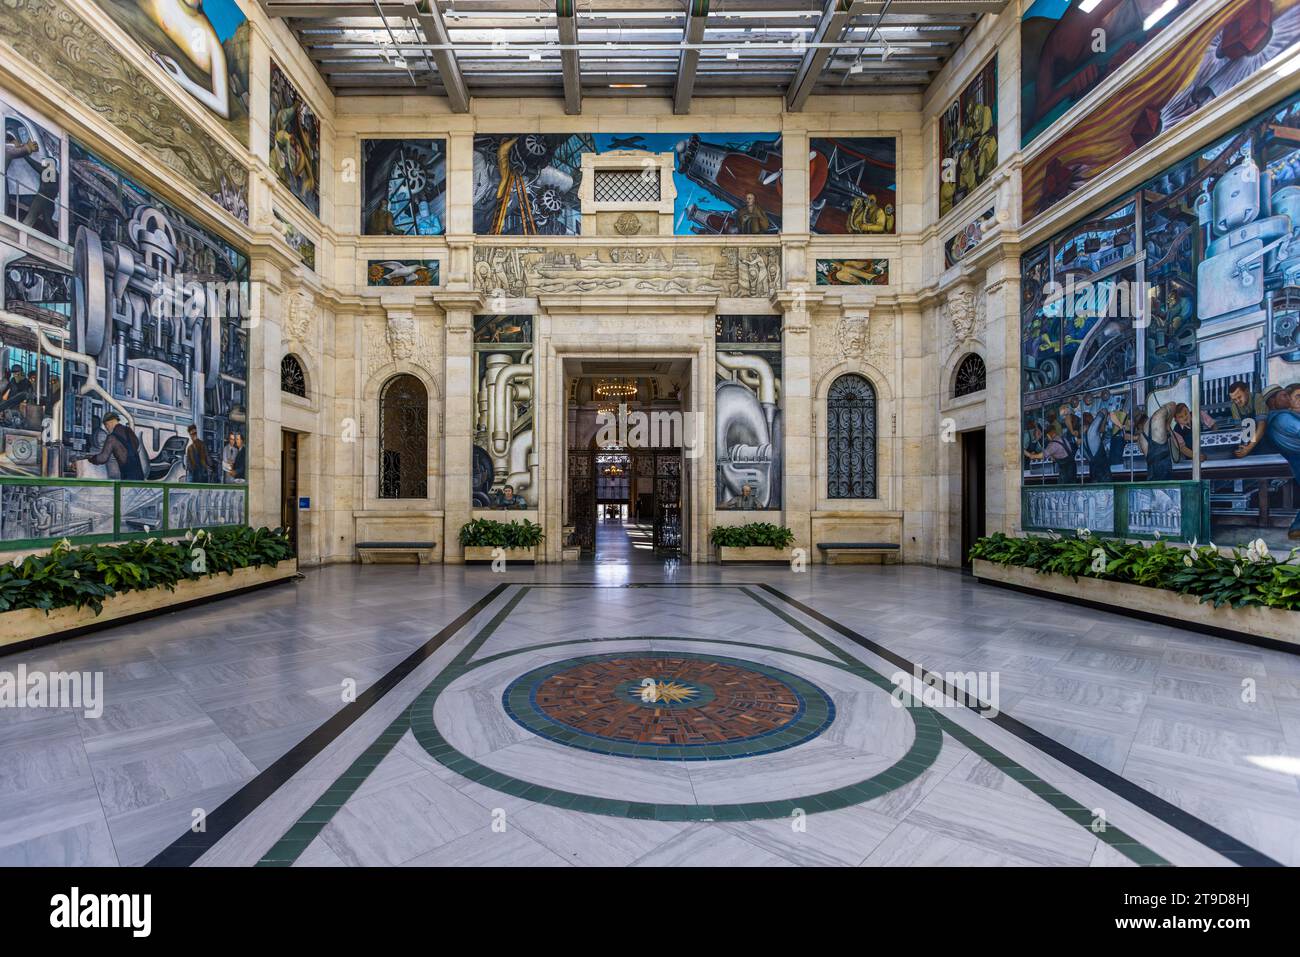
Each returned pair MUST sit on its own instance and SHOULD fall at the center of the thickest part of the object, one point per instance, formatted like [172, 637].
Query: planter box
[728, 554]
[1257, 621]
[483, 553]
[571, 553]
[28, 624]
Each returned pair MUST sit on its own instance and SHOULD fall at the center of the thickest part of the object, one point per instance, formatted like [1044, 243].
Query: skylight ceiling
[679, 49]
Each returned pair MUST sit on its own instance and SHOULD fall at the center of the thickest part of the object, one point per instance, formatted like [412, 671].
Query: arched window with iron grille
[292, 378]
[403, 438]
[971, 376]
[851, 438]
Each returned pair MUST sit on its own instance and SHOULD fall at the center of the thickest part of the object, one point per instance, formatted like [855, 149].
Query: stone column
[262, 430]
[918, 434]
[1002, 402]
[796, 410]
[458, 416]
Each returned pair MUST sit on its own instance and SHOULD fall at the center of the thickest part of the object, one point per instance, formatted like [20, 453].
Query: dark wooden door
[972, 491]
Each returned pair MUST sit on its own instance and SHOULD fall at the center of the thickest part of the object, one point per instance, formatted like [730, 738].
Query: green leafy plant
[78, 577]
[753, 535]
[1244, 575]
[486, 533]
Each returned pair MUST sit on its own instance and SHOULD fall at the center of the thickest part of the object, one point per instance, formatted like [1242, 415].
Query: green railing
[1178, 511]
[36, 512]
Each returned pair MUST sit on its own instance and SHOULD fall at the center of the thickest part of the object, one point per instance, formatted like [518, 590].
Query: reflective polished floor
[654, 714]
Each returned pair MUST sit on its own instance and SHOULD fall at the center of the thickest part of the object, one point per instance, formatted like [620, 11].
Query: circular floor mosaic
[668, 706]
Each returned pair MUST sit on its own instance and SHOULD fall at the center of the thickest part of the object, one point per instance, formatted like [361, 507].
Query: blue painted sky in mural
[225, 17]
[689, 193]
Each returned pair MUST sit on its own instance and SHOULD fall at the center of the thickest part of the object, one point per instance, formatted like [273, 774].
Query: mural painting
[405, 187]
[131, 367]
[853, 272]
[1061, 58]
[201, 47]
[527, 183]
[1116, 339]
[956, 248]
[33, 173]
[747, 412]
[968, 138]
[1234, 42]
[505, 461]
[300, 244]
[55, 39]
[402, 272]
[295, 141]
[852, 184]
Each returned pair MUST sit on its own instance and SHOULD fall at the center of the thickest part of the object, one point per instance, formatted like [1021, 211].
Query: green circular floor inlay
[668, 706]
[919, 757]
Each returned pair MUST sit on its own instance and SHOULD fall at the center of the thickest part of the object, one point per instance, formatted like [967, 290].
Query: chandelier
[618, 389]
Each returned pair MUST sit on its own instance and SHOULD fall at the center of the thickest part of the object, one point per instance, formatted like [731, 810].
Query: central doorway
[624, 489]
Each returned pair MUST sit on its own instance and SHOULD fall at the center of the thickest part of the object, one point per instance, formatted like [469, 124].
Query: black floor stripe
[189, 847]
[1204, 833]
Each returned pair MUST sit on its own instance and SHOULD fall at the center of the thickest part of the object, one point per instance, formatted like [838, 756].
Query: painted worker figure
[1159, 440]
[1284, 436]
[121, 452]
[751, 218]
[198, 463]
[866, 216]
[17, 391]
[1251, 406]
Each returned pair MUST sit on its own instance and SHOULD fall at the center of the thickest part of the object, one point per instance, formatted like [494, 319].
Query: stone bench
[369, 551]
[829, 549]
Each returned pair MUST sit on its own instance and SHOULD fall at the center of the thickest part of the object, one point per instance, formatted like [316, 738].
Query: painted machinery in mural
[528, 183]
[155, 329]
[1218, 280]
[505, 460]
[851, 182]
[747, 412]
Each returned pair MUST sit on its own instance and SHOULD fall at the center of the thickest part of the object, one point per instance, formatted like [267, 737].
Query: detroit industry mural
[853, 272]
[295, 141]
[402, 272]
[1109, 353]
[851, 184]
[132, 366]
[300, 244]
[968, 138]
[33, 173]
[505, 462]
[200, 46]
[527, 183]
[749, 450]
[1062, 57]
[1236, 41]
[404, 187]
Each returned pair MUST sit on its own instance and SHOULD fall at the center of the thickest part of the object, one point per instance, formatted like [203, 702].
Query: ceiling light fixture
[1089, 5]
[627, 86]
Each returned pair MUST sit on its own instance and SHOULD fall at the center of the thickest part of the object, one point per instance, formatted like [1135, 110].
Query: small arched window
[970, 378]
[403, 438]
[292, 378]
[851, 438]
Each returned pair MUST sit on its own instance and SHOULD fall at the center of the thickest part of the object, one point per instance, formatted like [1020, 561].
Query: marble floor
[655, 714]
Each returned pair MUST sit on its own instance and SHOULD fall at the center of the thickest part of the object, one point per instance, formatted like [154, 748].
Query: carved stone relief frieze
[730, 271]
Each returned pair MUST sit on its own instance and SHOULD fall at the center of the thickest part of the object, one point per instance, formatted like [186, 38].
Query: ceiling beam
[566, 24]
[696, 16]
[435, 32]
[835, 20]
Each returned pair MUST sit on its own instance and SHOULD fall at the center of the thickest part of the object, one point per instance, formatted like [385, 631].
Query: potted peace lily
[1247, 590]
[755, 542]
[486, 540]
[71, 587]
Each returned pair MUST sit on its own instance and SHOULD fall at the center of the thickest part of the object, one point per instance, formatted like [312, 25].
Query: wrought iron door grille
[971, 377]
[851, 438]
[404, 439]
[626, 185]
[292, 379]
